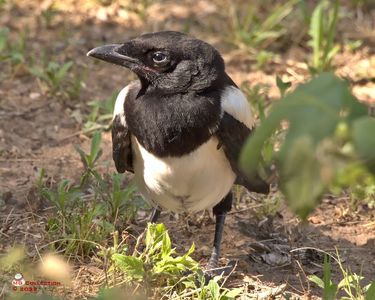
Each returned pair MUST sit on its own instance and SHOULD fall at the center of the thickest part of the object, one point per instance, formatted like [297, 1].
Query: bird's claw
[213, 270]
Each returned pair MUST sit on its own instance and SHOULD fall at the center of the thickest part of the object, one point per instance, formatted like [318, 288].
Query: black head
[168, 61]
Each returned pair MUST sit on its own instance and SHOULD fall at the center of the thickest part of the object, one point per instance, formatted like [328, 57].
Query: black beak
[110, 53]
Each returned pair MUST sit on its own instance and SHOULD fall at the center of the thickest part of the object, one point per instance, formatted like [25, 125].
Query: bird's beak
[109, 53]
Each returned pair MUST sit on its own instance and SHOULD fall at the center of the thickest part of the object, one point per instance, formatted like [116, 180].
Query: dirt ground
[38, 130]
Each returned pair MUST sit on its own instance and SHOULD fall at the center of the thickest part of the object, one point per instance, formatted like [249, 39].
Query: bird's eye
[159, 57]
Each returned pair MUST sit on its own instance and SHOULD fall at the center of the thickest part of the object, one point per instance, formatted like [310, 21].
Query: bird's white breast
[193, 182]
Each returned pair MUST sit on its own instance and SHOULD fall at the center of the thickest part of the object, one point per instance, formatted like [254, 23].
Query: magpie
[180, 127]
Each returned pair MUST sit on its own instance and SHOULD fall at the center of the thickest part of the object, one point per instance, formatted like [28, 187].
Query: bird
[180, 127]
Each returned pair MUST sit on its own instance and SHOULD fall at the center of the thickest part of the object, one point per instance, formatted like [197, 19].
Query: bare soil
[39, 130]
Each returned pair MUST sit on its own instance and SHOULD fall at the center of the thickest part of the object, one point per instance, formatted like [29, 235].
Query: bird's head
[168, 61]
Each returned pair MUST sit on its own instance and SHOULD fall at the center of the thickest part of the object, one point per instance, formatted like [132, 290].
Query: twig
[230, 273]
[271, 293]
[306, 279]
[71, 135]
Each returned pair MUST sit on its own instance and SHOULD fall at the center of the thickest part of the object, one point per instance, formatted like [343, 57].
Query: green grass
[252, 33]
[100, 116]
[86, 213]
[322, 32]
[58, 79]
[13, 52]
[152, 268]
[350, 287]
[48, 14]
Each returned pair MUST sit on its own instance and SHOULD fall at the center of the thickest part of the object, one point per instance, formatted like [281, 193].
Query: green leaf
[349, 279]
[364, 140]
[95, 151]
[370, 292]
[61, 73]
[154, 236]
[330, 289]
[166, 246]
[312, 111]
[316, 32]
[82, 155]
[318, 281]
[132, 266]
[301, 179]
[4, 33]
[283, 86]
[214, 289]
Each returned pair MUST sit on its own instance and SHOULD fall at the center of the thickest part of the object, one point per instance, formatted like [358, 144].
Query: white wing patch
[234, 102]
[119, 105]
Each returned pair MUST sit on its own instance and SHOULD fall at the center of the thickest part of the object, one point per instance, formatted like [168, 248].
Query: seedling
[120, 202]
[282, 86]
[53, 75]
[350, 283]
[253, 34]
[101, 114]
[13, 52]
[58, 79]
[160, 271]
[48, 14]
[65, 197]
[322, 31]
[89, 160]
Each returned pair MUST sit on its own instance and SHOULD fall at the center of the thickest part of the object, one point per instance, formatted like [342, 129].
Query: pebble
[34, 95]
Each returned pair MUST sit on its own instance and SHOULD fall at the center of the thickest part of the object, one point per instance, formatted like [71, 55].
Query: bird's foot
[212, 269]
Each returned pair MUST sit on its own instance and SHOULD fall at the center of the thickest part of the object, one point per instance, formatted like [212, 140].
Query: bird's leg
[155, 215]
[220, 212]
[215, 254]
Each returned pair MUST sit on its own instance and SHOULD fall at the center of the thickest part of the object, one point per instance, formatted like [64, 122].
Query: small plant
[350, 283]
[80, 223]
[157, 263]
[89, 160]
[359, 184]
[259, 104]
[328, 133]
[329, 288]
[256, 95]
[263, 57]
[163, 273]
[53, 74]
[322, 31]
[250, 33]
[48, 14]
[282, 86]
[55, 78]
[64, 198]
[100, 117]
[120, 202]
[271, 205]
[12, 52]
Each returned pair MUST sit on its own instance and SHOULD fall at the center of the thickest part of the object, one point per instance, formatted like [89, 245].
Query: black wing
[232, 135]
[121, 146]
